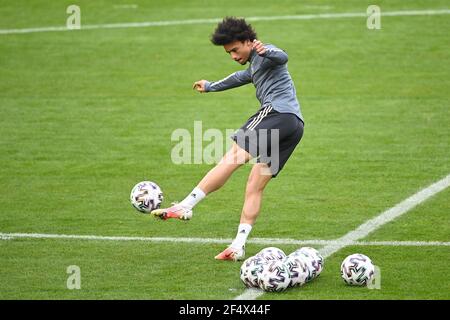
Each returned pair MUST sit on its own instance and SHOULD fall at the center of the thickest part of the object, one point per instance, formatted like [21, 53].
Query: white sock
[242, 234]
[193, 198]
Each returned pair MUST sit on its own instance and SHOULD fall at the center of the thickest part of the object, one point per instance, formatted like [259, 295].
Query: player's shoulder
[272, 47]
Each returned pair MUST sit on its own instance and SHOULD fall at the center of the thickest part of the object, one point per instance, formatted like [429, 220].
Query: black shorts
[270, 137]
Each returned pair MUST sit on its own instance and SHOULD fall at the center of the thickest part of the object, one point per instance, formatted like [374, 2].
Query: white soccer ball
[146, 196]
[274, 276]
[251, 270]
[272, 254]
[357, 269]
[317, 260]
[298, 270]
[308, 261]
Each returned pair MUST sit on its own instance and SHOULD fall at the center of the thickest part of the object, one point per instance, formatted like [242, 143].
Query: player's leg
[257, 181]
[211, 182]
[284, 131]
[218, 175]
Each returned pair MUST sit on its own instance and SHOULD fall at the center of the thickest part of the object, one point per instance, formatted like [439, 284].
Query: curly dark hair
[232, 29]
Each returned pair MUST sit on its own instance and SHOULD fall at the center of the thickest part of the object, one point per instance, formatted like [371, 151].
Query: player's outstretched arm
[234, 80]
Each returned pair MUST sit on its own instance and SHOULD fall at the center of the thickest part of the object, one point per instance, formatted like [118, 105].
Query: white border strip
[9, 236]
[368, 227]
[263, 241]
[216, 20]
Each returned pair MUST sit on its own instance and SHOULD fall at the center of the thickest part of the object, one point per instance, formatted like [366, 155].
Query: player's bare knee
[255, 184]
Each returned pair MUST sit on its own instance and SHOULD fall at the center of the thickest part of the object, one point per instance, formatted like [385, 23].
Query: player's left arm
[272, 53]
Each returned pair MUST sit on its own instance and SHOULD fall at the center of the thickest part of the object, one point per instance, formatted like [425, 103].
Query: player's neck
[252, 56]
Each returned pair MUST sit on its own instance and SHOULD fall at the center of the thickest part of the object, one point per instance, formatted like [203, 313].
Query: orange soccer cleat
[232, 254]
[176, 211]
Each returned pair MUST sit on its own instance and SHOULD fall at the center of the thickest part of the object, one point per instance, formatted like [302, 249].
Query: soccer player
[270, 135]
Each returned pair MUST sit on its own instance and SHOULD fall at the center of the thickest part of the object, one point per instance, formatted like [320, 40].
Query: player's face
[239, 50]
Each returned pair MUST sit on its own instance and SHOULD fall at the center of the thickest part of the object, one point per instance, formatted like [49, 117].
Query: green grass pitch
[84, 115]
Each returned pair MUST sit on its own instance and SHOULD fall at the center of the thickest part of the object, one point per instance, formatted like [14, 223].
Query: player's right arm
[234, 80]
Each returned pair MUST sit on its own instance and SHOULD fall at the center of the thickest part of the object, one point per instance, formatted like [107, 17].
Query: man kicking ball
[270, 135]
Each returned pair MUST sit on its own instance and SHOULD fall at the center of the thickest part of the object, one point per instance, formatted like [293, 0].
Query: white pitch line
[320, 242]
[264, 241]
[368, 227]
[401, 243]
[387, 216]
[9, 236]
[125, 6]
[215, 20]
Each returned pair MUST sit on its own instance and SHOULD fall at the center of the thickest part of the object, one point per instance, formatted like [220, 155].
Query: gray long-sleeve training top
[271, 78]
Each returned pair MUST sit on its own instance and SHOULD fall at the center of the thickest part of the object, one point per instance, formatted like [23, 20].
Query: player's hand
[258, 46]
[199, 86]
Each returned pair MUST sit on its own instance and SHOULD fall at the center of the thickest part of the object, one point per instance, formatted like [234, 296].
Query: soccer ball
[146, 196]
[308, 261]
[316, 259]
[312, 259]
[298, 270]
[271, 254]
[251, 270]
[274, 276]
[357, 269]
